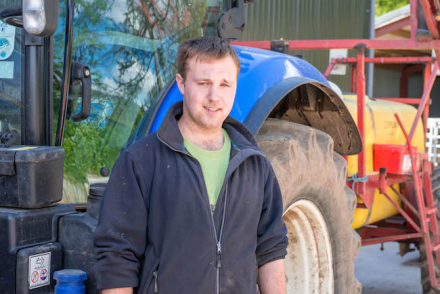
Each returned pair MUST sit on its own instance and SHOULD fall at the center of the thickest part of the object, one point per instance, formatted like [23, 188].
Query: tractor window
[131, 49]
[11, 55]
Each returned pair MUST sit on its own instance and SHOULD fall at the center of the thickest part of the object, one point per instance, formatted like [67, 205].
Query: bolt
[86, 72]
[105, 171]
[33, 40]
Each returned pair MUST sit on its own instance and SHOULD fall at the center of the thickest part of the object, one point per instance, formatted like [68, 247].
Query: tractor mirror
[40, 17]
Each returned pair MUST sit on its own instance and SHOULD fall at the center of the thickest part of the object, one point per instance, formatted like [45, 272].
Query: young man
[195, 207]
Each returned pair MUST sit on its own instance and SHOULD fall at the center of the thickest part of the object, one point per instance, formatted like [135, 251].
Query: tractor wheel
[426, 283]
[318, 208]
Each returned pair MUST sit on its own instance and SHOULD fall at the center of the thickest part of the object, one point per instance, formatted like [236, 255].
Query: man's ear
[180, 83]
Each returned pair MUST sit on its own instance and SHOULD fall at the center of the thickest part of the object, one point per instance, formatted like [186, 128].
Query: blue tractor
[97, 75]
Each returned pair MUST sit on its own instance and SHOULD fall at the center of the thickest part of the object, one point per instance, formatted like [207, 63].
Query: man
[195, 207]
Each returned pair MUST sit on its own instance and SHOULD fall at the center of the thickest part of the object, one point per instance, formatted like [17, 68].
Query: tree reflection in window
[131, 48]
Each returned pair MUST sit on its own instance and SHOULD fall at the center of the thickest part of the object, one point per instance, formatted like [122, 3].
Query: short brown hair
[206, 48]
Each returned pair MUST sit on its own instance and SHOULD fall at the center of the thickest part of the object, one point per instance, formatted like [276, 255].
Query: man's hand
[118, 291]
[271, 278]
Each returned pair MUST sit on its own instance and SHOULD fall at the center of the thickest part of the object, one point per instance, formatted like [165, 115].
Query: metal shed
[306, 20]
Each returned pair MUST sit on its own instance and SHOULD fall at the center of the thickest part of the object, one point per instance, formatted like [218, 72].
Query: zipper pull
[219, 248]
[156, 288]
[219, 253]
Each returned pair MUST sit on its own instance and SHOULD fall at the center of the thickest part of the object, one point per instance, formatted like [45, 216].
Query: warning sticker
[39, 270]
[7, 40]
[406, 164]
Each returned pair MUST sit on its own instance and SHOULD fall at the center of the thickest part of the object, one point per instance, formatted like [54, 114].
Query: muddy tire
[318, 208]
[426, 283]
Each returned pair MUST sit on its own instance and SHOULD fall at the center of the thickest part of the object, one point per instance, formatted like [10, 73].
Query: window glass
[11, 57]
[131, 49]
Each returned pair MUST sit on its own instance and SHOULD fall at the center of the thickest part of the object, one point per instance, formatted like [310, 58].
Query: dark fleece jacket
[156, 231]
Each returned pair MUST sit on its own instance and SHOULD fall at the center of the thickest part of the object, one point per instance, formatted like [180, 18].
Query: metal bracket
[31, 40]
[232, 22]
[8, 138]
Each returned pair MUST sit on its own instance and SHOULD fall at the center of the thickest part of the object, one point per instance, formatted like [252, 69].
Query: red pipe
[430, 21]
[404, 77]
[329, 69]
[413, 19]
[353, 78]
[399, 60]
[391, 238]
[426, 75]
[348, 44]
[402, 100]
[360, 85]
[425, 98]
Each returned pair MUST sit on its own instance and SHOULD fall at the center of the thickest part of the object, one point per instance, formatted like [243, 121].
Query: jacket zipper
[217, 240]
[156, 288]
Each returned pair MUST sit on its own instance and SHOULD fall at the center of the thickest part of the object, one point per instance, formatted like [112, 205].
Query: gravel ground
[386, 272]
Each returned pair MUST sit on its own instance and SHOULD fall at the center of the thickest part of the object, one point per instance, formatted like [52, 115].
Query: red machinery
[421, 218]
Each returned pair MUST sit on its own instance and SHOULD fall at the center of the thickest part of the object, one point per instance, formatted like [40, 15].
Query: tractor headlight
[40, 17]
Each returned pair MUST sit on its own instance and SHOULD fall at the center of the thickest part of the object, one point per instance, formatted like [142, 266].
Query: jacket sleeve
[272, 232]
[121, 235]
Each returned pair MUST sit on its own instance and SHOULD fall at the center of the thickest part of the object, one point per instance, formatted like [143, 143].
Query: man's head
[207, 77]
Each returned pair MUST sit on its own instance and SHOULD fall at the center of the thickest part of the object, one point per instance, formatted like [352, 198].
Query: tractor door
[130, 47]
[11, 77]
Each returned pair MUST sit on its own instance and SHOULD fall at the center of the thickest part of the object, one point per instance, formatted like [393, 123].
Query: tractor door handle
[82, 73]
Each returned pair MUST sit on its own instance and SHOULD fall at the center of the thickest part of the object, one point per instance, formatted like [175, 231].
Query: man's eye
[202, 84]
[225, 85]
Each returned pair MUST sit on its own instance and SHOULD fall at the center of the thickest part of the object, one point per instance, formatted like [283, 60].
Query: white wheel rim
[309, 260]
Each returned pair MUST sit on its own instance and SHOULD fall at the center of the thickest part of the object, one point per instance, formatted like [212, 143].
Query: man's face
[208, 92]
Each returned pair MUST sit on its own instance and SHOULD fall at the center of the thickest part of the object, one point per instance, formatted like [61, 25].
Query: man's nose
[214, 94]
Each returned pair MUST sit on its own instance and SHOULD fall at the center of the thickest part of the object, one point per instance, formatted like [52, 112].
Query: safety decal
[7, 40]
[39, 270]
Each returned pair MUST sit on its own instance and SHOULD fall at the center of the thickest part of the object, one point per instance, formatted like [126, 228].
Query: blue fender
[265, 78]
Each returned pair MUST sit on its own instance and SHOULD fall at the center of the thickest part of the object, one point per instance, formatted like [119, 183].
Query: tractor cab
[79, 82]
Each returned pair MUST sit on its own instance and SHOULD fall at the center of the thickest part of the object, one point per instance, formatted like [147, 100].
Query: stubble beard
[202, 122]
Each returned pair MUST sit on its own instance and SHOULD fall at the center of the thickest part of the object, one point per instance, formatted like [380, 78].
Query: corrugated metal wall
[309, 19]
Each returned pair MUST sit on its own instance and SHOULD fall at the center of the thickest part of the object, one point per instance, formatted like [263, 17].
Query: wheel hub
[309, 260]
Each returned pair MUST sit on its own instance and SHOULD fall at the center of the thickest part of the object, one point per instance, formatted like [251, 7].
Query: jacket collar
[169, 132]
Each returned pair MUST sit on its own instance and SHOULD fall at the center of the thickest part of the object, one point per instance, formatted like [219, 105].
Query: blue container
[70, 281]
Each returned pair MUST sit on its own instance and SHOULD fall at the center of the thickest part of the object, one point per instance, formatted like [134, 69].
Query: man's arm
[271, 240]
[121, 235]
[118, 291]
[271, 278]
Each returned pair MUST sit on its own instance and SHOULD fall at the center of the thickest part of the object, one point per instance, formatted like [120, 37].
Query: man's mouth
[212, 109]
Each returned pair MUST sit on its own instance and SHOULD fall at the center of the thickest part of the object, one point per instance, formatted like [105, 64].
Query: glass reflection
[131, 48]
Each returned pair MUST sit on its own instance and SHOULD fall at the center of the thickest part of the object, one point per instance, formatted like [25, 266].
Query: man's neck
[203, 138]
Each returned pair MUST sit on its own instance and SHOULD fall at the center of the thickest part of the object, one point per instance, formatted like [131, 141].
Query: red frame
[421, 222]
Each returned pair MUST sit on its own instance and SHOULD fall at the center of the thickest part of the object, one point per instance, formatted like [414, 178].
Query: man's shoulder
[145, 146]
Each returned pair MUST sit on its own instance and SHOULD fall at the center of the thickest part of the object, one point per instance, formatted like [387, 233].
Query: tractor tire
[318, 208]
[426, 283]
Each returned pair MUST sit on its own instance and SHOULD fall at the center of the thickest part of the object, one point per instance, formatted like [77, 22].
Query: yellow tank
[381, 127]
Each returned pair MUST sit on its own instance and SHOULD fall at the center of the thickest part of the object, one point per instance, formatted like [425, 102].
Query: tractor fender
[309, 102]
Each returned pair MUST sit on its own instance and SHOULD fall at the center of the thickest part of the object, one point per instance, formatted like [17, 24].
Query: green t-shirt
[214, 165]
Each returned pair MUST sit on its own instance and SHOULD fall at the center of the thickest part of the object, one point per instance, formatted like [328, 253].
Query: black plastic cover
[31, 176]
[22, 272]
[78, 253]
[23, 228]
